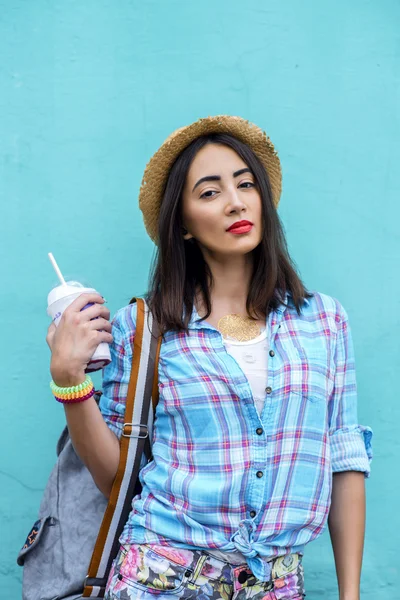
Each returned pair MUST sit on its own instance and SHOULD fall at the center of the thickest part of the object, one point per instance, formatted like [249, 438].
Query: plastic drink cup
[57, 301]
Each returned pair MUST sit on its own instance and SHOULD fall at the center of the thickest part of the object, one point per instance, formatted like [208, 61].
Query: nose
[236, 203]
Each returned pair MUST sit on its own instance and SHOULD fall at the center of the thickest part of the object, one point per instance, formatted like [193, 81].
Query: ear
[186, 235]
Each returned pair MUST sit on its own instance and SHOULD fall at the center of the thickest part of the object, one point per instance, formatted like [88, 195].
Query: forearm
[346, 524]
[94, 442]
[96, 445]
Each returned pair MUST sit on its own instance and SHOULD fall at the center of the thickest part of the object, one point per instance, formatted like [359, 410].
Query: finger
[51, 328]
[85, 314]
[94, 311]
[50, 334]
[104, 336]
[100, 324]
[84, 299]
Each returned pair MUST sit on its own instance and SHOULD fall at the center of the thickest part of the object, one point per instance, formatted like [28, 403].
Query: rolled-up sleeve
[117, 373]
[350, 442]
[116, 379]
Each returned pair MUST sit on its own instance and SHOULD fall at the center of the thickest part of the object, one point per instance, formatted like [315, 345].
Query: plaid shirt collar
[195, 324]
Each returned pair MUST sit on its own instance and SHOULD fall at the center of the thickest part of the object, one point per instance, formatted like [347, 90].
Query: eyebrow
[218, 177]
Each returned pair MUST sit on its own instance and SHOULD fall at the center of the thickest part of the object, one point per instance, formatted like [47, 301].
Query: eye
[247, 183]
[203, 195]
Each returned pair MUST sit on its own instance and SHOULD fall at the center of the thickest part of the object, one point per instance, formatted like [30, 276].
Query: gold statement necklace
[242, 329]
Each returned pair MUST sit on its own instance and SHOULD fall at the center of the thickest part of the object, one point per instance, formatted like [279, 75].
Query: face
[219, 191]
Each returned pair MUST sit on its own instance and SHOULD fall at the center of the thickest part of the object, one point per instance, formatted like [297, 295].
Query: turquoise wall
[90, 89]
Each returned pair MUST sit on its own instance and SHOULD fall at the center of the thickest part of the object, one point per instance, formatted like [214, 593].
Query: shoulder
[124, 324]
[125, 317]
[325, 307]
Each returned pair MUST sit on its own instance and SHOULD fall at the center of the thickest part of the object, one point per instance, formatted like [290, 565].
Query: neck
[231, 282]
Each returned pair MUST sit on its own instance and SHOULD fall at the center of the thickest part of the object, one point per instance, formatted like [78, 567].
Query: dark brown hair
[178, 268]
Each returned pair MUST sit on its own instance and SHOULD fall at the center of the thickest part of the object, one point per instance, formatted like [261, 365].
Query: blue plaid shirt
[222, 476]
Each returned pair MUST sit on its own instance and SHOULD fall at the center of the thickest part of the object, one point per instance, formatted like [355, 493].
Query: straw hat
[157, 169]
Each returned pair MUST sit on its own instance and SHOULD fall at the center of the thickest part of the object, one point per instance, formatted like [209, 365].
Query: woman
[258, 405]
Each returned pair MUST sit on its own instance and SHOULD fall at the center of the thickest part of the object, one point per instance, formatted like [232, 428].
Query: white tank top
[252, 357]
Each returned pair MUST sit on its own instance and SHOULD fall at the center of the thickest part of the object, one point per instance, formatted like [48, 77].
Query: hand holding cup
[74, 340]
[79, 335]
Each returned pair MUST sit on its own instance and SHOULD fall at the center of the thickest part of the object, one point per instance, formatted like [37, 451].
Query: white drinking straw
[57, 270]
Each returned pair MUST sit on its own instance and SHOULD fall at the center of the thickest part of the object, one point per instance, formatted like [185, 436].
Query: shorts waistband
[201, 562]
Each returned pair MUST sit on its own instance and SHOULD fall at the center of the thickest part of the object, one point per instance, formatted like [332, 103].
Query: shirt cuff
[351, 449]
[114, 416]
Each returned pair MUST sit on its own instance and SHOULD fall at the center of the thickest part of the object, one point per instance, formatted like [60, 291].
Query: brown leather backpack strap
[143, 386]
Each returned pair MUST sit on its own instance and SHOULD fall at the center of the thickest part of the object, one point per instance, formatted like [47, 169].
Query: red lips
[239, 224]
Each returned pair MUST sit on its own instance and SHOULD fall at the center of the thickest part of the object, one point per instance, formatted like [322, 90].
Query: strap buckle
[91, 582]
[131, 435]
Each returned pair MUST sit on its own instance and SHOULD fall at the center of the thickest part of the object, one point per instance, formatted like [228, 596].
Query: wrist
[75, 393]
[64, 378]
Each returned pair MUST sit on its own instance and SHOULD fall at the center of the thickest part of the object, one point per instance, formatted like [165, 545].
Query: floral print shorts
[149, 571]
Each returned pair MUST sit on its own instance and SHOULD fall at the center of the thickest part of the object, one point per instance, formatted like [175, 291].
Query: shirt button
[271, 353]
[259, 473]
[252, 513]
[268, 390]
[259, 430]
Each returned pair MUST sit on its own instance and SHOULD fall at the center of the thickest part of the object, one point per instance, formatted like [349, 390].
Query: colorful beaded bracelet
[75, 400]
[75, 393]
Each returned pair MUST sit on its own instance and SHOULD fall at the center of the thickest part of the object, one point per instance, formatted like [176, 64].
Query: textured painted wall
[89, 89]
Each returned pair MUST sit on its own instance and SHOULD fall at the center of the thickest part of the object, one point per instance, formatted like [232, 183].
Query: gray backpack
[69, 551]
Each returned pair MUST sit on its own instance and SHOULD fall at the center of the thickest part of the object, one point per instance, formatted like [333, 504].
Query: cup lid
[71, 287]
